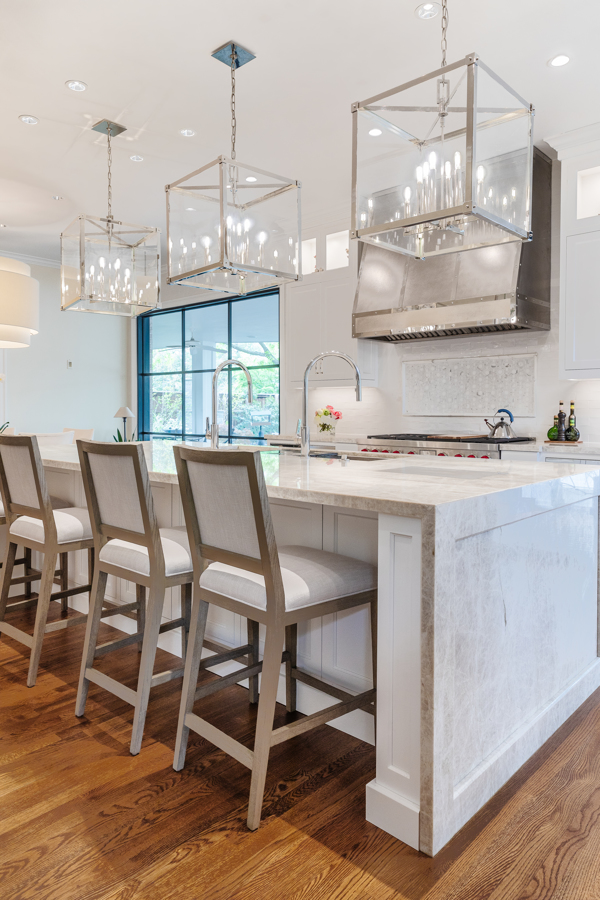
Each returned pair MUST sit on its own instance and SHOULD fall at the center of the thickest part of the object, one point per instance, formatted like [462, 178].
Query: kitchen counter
[488, 612]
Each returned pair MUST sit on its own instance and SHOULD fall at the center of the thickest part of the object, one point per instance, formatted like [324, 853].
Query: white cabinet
[579, 344]
[317, 316]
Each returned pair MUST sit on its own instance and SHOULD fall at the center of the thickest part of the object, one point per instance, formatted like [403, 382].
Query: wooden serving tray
[564, 443]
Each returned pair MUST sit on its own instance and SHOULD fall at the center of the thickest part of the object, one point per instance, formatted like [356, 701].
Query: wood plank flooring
[81, 818]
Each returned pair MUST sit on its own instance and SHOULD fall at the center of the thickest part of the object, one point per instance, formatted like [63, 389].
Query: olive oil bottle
[553, 431]
[572, 432]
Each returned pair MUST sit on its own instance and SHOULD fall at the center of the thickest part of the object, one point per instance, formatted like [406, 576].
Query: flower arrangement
[326, 419]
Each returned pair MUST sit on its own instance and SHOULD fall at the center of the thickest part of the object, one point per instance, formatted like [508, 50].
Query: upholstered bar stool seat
[309, 576]
[72, 524]
[129, 545]
[44, 524]
[238, 567]
[175, 546]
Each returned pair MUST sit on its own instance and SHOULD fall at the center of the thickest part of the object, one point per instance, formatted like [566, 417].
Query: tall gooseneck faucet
[305, 429]
[214, 428]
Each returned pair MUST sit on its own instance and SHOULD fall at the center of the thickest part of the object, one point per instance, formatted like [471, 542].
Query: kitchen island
[488, 612]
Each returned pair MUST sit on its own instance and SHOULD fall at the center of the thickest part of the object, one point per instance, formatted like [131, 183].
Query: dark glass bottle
[561, 436]
[553, 432]
[572, 433]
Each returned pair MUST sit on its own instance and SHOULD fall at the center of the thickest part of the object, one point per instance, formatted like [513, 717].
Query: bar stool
[229, 523]
[130, 545]
[37, 522]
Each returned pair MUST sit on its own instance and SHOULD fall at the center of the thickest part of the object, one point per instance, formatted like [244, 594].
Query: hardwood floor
[81, 818]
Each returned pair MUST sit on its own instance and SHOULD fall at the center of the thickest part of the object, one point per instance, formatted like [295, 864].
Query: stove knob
[385, 451]
[364, 450]
[442, 454]
[472, 456]
[375, 450]
[395, 451]
[458, 454]
[410, 453]
[485, 457]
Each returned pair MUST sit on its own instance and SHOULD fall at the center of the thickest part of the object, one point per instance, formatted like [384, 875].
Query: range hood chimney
[505, 287]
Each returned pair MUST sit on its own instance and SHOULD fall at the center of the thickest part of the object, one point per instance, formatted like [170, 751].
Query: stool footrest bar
[109, 684]
[65, 623]
[320, 718]
[109, 646]
[206, 689]
[220, 739]
[16, 634]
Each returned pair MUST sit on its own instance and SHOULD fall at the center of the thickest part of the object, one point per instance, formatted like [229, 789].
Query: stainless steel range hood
[505, 287]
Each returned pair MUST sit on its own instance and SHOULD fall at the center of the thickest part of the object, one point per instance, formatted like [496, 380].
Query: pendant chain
[233, 119]
[444, 31]
[109, 215]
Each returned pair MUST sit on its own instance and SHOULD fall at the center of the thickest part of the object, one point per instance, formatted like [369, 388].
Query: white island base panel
[508, 651]
[488, 615]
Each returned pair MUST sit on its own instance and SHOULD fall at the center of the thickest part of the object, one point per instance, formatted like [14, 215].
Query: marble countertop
[398, 486]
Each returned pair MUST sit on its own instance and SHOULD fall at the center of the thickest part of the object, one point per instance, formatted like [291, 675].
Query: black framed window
[178, 352]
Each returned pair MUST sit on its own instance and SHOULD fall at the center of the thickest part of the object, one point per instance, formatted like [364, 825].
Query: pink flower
[337, 415]
[329, 407]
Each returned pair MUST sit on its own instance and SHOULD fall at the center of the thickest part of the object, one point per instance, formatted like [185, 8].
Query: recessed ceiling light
[2, 226]
[250, 178]
[29, 120]
[375, 132]
[57, 197]
[76, 85]
[560, 60]
[190, 209]
[136, 158]
[427, 10]
[187, 132]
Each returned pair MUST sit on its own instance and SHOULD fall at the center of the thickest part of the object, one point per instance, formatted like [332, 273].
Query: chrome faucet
[305, 429]
[214, 428]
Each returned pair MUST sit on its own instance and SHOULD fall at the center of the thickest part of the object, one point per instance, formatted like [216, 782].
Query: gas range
[473, 446]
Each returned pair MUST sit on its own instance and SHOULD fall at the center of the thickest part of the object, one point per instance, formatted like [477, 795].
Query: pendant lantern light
[444, 162]
[19, 304]
[108, 266]
[232, 227]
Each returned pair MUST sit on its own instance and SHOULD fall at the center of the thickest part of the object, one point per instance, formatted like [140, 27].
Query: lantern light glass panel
[233, 228]
[415, 188]
[116, 273]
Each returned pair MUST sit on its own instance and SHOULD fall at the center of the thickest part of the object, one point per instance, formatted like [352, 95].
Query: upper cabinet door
[581, 265]
[579, 328]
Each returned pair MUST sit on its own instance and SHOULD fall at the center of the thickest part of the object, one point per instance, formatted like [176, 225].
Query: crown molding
[577, 142]
[31, 260]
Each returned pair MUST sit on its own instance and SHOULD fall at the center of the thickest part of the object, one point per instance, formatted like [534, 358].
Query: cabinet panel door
[347, 635]
[582, 301]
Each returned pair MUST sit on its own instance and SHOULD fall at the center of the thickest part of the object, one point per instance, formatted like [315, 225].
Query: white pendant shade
[19, 304]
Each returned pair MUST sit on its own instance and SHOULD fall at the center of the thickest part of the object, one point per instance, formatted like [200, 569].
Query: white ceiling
[148, 66]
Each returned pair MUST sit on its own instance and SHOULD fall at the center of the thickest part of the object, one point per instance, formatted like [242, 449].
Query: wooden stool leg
[291, 645]
[43, 605]
[27, 569]
[190, 678]
[7, 570]
[91, 564]
[91, 638]
[140, 596]
[186, 612]
[156, 600]
[253, 659]
[264, 725]
[64, 582]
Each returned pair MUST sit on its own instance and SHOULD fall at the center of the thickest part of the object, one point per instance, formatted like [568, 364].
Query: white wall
[41, 394]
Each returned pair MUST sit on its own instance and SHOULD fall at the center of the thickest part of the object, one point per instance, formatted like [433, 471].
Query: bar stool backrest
[22, 482]
[228, 516]
[119, 496]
